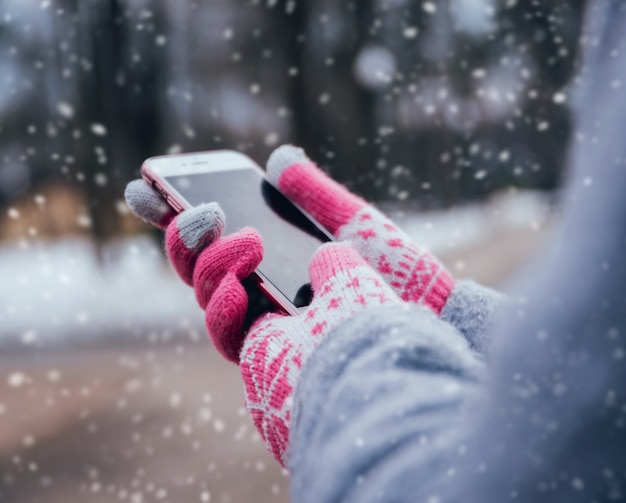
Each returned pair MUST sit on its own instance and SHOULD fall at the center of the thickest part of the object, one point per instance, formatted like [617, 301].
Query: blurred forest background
[109, 390]
[432, 103]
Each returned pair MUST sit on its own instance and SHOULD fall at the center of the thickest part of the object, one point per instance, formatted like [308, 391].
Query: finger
[190, 233]
[239, 254]
[225, 314]
[330, 260]
[297, 177]
[147, 205]
[413, 272]
[345, 215]
[340, 273]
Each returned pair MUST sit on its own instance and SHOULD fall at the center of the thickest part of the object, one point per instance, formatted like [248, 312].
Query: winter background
[453, 116]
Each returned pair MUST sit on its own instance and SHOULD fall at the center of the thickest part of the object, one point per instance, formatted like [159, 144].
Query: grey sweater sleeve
[380, 399]
[392, 406]
[474, 309]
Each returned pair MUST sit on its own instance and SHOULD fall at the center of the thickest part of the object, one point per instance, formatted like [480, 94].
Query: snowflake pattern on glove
[413, 272]
[278, 346]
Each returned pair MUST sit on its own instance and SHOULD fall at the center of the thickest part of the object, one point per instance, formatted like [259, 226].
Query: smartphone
[238, 184]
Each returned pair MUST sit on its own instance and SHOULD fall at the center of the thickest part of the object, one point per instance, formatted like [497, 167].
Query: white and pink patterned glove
[413, 272]
[346, 278]
[278, 346]
[273, 352]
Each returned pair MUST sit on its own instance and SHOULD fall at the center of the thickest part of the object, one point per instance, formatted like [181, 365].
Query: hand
[415, 274]
[212, 264]
[277, 346]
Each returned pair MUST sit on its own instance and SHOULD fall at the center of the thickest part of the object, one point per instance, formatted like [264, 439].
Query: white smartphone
[238, 184]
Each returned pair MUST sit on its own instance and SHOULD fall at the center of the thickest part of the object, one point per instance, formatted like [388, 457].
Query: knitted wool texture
[343, 281]
[212, 264]
[144, 203]
[415, 274]
[278, 346]
[215, 266]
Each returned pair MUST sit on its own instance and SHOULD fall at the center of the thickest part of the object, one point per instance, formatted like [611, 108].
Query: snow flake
[375, 66]
[271, 139]
[410, 32]
[174, 400]
[403, 195]
[66, 110]
[16, 379]
[218, 425]
[98, 129]
[100, 179]
[175, 148]
[479, 73]
[479, 175]
[83, 221]
[429, 7]
[189, 131]
[543, 126]
[29, 337]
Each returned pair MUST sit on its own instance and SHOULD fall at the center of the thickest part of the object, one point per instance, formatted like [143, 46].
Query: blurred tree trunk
[116, 101]
[550, 32]
[333, 118]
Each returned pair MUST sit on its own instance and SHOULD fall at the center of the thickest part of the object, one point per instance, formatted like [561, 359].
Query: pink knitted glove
[277, 346]
[212, 264]
[415, 274]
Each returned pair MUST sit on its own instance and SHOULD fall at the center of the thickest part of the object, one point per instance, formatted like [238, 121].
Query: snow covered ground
[55, 292]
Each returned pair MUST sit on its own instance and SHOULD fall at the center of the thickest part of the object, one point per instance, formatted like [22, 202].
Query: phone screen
[248, 200]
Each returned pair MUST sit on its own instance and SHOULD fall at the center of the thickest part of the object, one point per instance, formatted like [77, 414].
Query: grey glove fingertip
[147, 205]
[283, 157]
[199, 226]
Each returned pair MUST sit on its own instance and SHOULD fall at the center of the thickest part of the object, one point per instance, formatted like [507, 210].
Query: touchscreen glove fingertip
[283, 157]
[191, 232]
[148, 206]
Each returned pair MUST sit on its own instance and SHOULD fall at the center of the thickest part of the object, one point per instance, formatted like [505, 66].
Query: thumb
[330, 261]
